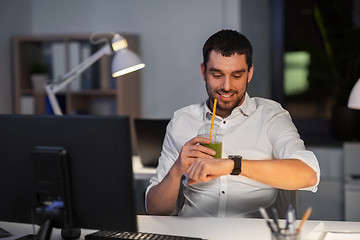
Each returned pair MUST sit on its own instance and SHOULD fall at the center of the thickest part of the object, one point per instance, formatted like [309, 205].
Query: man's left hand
[206, 169]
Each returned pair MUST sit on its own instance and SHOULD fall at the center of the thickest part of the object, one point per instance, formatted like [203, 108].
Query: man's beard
[224, 106]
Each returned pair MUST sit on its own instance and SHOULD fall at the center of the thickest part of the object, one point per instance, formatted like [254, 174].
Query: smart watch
[237, 164]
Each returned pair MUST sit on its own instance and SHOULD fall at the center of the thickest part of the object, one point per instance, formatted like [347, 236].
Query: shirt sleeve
[287, 143]
[310, 159]
[169, 154]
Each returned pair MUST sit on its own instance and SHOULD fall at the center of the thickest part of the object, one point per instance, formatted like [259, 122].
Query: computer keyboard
[119, 235]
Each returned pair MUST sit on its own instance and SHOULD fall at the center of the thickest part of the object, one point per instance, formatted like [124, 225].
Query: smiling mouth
[226, 96]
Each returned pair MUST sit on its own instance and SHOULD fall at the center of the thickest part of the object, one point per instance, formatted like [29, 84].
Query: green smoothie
[217, 146]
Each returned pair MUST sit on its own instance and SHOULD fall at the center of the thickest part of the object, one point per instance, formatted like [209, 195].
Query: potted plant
[38, 76]
[335, 67]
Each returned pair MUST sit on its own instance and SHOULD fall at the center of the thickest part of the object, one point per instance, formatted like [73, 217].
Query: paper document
[342, 236]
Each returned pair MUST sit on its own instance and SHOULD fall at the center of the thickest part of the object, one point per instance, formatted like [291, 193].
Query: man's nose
[226, 84]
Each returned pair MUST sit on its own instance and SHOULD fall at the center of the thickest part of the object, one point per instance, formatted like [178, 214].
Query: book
[58, 61]
[86, 76]
[27, 105]
[74, 61]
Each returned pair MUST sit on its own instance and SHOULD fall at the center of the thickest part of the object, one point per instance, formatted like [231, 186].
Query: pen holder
[285, 234]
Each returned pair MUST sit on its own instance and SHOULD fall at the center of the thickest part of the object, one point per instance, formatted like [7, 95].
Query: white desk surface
[141, 172]
[207, 228]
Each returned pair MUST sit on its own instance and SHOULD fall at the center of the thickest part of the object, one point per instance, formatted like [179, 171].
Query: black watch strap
[237, 164]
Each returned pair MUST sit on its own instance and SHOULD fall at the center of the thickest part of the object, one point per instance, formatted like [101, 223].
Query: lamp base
[346, 123]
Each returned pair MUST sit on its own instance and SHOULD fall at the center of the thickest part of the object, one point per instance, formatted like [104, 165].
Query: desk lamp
[354, 98]
[124, 61]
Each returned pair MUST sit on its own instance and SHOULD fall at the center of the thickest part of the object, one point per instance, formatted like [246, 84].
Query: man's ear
[251, 71]
[203, 70]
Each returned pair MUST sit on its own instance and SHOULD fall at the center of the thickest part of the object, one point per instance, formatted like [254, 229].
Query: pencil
[305, 217]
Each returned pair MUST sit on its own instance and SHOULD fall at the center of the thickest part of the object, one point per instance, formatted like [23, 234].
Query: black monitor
[99, 157]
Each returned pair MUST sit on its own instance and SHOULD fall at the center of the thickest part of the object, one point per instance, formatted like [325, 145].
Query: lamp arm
[52, 88]
[68, 77]
[52, 99]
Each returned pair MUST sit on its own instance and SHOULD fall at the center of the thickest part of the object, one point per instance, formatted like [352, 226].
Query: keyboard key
[123, 235]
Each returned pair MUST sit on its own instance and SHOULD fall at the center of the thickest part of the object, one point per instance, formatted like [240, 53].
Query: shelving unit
[102, 95]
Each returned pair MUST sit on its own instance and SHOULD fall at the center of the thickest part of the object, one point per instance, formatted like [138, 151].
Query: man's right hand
[190, 152]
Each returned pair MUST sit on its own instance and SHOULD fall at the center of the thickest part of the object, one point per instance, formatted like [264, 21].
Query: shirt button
[224, 122]
[223, 192]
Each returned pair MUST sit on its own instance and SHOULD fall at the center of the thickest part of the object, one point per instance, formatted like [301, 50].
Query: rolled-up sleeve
[310, 159]
[288, 144]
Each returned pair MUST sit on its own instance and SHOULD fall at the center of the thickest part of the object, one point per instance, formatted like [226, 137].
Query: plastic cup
[216, 139]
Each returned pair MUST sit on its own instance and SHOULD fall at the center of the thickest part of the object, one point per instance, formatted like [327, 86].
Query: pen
[290, 220]
[266, 217]
[275, 217]
[288, 216]
[305, 217]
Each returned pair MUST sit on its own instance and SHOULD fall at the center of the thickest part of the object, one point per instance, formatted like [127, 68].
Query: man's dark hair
[227, 43]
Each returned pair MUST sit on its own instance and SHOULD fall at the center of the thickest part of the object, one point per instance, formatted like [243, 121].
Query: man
[272, 154]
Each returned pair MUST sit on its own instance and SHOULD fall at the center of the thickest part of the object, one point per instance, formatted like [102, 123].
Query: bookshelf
[95, 92]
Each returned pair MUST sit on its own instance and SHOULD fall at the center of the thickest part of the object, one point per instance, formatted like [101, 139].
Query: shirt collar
[207, 113]
[246, 108]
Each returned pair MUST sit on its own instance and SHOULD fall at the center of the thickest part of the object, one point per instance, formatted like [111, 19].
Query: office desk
[208, 228]
[229, 228]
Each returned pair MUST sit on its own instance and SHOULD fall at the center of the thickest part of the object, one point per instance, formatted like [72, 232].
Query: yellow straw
[213, 117]
[305, 217]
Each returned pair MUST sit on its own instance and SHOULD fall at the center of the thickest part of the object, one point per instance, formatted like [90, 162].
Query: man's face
[226, 80]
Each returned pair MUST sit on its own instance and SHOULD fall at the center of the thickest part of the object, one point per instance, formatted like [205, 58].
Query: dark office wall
[188, 24]
[15, 17]
[255, 24]
[171, 35]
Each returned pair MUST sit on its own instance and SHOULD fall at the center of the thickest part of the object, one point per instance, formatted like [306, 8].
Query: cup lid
[205, 130]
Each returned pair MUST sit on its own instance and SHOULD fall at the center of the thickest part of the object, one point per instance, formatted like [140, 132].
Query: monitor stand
[45, 230]
[70, 233]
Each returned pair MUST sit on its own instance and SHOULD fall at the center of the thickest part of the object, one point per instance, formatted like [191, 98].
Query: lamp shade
[125, 61]
[354, 98]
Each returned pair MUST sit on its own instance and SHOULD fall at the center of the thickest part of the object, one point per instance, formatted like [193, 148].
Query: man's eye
[237, 76]
[217, 75]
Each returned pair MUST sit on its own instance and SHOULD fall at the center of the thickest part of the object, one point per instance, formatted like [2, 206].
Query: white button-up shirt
[259, 129]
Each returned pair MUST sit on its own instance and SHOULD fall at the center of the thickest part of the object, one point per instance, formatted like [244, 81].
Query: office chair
[283, 200]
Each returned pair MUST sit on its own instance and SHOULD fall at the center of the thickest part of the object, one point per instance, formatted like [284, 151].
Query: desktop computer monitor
[99, 157]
